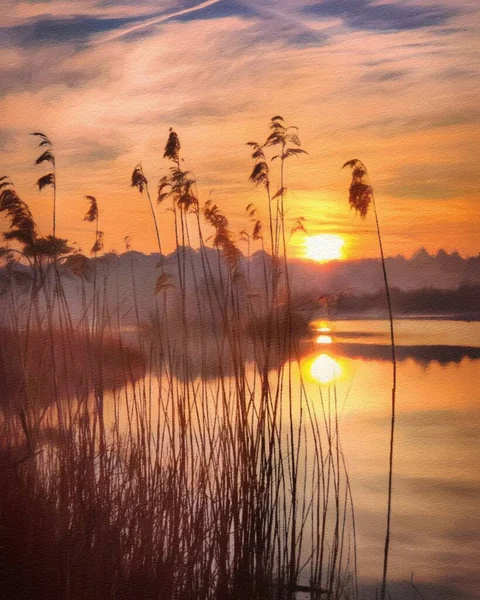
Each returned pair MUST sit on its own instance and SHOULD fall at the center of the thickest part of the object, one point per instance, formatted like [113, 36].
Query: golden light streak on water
[325, 369]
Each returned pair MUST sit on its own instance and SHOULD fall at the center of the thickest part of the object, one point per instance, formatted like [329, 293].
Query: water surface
[435, 521]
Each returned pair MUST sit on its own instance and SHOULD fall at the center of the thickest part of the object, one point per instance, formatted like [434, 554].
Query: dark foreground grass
[183, 462]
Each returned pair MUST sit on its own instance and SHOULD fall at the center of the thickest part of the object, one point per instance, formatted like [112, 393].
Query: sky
[391, 82]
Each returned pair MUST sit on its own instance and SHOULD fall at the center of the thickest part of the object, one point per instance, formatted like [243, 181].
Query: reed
[50, 179]
[186, 459]
[360, 198]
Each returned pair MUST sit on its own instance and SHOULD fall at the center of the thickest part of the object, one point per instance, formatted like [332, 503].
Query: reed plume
[223, 239]
[50, 179]
[22, 225]
[200, 481]
[92, 212]
[360, 198]
[140, 182]
[92, 216]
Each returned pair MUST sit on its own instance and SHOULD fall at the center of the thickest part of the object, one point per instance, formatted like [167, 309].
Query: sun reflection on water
[325, 369]
[324, 339]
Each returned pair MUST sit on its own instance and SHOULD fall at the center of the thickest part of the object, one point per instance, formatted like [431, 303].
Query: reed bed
[183, 460]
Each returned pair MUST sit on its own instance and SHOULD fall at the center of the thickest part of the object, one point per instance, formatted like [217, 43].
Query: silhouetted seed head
[290, 152]
[47, 156]
[180, 187]
[172, 147]
[92, 213]
[138, 179]
[223, 237]
[48, 246]
[360, 192]
[259, 173]
[257, 231]
[281, 191]
[4, 182]
[252, 212]
[46, 180]
[277, 124]
[98, 245]
[299, 225]
[164, 189]
[285, 137]
[258, 152]
[274, 138]
[44, 141]
[22, 225]
[293, 138]
[187, 199]
[278, 132]
[213, 216]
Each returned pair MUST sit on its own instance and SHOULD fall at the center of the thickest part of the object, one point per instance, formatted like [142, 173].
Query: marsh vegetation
[182, 457]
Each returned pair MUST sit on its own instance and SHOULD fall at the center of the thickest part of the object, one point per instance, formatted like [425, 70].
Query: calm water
[435, 522]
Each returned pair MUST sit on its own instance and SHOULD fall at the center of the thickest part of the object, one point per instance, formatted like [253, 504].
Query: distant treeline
[442, 270]
[424, 284]
[463, 300]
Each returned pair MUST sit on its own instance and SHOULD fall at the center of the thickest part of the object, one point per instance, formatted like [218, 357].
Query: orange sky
[392, 83]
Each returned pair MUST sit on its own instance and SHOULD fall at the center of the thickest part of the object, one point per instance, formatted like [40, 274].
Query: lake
[435, 521]
[435, 537]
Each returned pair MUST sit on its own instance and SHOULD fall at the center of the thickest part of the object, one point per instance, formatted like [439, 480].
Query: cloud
[78, 25]
[43, 67]
[73, 30]
[384, 76]
[182, 11]
[221, 9]
[437, 179]
[20, 11]
[384, 16]
[399, 100]
[88, 151]
[434, 120]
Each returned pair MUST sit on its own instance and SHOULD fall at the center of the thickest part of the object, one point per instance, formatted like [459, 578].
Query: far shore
[369, 316]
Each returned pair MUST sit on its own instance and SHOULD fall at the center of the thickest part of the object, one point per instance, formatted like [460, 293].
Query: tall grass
[184, 461]
[360, 197]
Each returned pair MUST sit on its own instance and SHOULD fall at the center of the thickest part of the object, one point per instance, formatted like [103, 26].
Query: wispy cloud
[399, 98]
[81, 23]
[382, 16]
[183, 12]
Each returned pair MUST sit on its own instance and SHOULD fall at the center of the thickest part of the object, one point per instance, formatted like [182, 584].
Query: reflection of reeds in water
[82, 363]
[208, 475]
[423, 355]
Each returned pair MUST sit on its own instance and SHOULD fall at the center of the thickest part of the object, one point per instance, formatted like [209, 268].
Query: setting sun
[326, 246]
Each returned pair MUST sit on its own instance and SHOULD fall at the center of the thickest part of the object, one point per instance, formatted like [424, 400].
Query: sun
[326, 246]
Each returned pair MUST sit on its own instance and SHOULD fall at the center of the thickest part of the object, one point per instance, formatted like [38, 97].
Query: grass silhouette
[184, 459]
